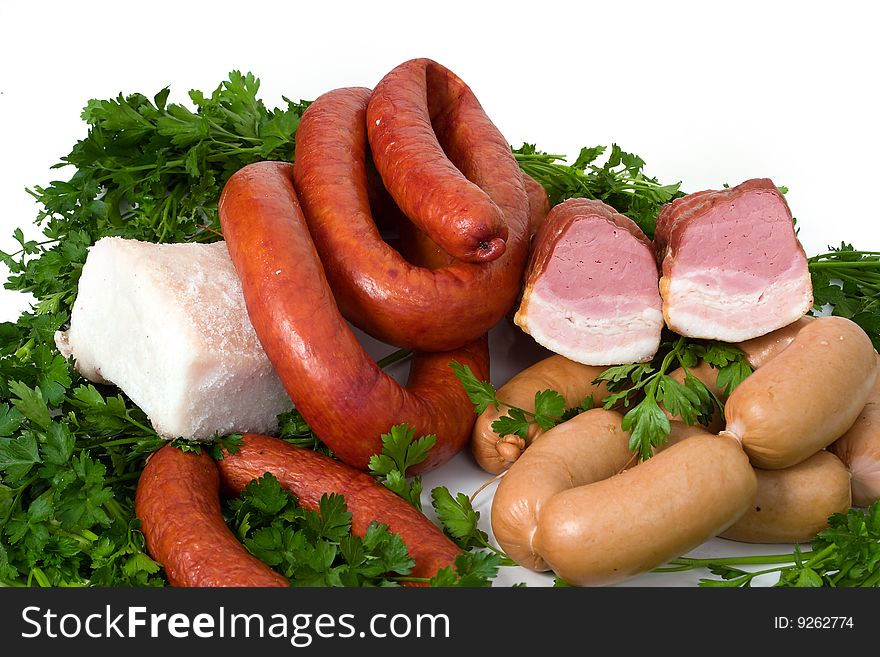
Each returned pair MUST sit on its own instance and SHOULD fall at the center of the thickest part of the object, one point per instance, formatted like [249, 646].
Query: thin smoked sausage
[343, 395]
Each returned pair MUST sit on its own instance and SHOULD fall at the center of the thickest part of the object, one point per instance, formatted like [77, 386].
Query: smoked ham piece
[732, 266]
[591, 287]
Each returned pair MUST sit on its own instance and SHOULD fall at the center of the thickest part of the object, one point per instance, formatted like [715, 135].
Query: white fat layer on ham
[700, 308]
[629, 338]
[167, 324]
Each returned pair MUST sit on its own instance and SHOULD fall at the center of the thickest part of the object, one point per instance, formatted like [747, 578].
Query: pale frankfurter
[761, 349]
[792, 505]
[806, 397]
[587, 448]
[859, 449]
[604, 532]
[572, 380]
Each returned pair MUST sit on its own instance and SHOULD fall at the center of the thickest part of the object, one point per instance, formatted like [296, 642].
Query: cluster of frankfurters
[574, 500]
[417, 154]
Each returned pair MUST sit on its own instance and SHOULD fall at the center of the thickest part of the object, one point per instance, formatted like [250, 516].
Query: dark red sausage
[428, 184]
[375, 287]
[309, 475]
[539, 203]
[421, 250]
[178, 503]
[346, 399]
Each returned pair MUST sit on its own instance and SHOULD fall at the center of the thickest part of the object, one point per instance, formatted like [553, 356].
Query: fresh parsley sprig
[649, 385]
[315, 548]
[849, 282]
[846, 554]
[400, 451]
[549, 405]
[474, 567]
[620, 181]
[461, 521]
[645, 386]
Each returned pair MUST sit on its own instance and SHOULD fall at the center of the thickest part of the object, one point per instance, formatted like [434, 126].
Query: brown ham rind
[344, 396]
[178, 504]
[674, 222]
[310, 475]
[376, 288]
[563, 216]
[409, 107]
[675, 216]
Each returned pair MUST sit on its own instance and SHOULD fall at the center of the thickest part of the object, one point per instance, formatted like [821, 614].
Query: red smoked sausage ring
[343, 395]
[403, 114]
[375, 287]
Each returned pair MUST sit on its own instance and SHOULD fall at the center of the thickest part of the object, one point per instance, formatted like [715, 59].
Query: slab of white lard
[167, 324]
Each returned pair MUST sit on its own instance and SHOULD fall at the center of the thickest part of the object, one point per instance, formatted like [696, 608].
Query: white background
[706, 93]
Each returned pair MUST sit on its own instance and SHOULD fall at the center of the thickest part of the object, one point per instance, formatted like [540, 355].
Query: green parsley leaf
[30, 403]
[401, 451]
[515, 422]
[648, 427]
[549, 407]
[481, 393]
[458, 518]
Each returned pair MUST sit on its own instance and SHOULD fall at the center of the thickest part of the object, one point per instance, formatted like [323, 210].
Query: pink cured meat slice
[591, 287]
[732, 267]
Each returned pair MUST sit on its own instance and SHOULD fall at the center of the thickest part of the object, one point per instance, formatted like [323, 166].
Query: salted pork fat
[732, 266]
[167, 324]
[591, 290]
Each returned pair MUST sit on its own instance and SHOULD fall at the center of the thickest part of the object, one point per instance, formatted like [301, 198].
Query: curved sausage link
[309, 475]
[376, 288]
[806, 397]
[343, 395]
[178, 503]
[418, 248]
[404, 116]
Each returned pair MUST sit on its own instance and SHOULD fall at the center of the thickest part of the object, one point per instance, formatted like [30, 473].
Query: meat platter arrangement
[702, 376]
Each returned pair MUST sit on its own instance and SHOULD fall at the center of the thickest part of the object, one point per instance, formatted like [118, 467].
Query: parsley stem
[115, 510]
[687, 563]
[855, 279]
[394, 357]
[505, 560]
[872, 581]
[843, 264]
[114, 443]
[126, 477]
[837, 254]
